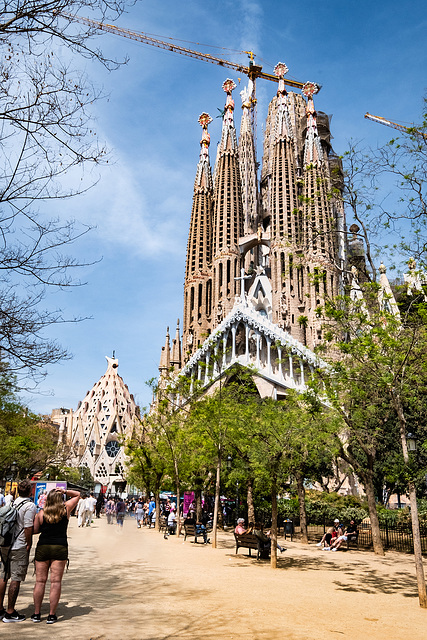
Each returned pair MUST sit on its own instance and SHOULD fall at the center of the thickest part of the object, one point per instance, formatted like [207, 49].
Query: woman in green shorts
[52, 548]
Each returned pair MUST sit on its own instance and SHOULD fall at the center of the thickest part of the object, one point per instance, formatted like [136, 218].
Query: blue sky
[367, 57]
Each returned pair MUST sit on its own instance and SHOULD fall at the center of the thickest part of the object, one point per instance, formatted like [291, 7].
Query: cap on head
[240, 520]
[336, 520]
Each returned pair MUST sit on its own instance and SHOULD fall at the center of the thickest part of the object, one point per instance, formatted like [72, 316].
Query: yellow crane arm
[394, 125]
[253, 71]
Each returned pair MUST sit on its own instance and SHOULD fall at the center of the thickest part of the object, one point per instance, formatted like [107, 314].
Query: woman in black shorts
[52, 548]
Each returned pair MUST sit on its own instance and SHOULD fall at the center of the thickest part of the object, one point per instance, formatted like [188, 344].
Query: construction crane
[253, 71]
[394, 125]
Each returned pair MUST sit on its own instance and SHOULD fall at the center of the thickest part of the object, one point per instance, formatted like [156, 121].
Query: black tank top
[55, 532]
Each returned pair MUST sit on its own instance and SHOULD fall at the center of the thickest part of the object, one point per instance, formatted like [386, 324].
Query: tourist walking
[15, 557]
[90, 509]
[52, 549]
[120, 512]
[99, 505]
[139, 512]
[110, 509]
[81, 510]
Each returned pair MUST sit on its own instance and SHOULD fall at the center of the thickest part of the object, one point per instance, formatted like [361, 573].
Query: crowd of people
[49, 518]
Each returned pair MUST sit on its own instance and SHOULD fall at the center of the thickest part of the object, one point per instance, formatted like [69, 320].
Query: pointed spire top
[229, 86]
[283, 120]
[228, 137]
[165, 355]
[204, 120]
[176, 349]
[203, 175]
[113, 363]
[313, 149]
[280, 70]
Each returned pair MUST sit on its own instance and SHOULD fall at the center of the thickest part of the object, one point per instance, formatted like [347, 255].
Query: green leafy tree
[27, 441]
[376, 381]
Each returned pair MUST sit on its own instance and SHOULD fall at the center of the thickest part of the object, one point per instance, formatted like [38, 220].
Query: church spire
[198, 282]
[204, 174]
[247, 161]
[176, 350]
[228, 137]
[313, 153]
[283, 119]
[165, 358]
[227, 219]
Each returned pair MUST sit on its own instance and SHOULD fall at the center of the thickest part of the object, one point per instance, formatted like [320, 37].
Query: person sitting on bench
[351, 530]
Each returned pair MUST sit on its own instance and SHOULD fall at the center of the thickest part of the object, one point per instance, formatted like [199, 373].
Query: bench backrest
[246, 540]
[190, 529]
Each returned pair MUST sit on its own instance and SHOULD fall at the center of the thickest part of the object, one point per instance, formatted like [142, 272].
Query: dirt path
[135, 585]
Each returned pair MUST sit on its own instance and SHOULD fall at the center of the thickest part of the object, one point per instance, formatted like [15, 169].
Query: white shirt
[25, 519]
[90, 503]
[8, 499]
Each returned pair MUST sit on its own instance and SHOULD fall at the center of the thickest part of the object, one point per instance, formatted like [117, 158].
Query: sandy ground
[133, 584]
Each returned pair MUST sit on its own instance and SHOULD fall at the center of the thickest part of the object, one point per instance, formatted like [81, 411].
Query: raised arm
[73, 498]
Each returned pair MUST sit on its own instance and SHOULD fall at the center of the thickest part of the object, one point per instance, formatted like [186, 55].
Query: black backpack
[8, 520]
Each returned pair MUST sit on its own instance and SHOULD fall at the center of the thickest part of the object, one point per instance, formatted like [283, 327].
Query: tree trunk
[157, 501]
[250, 500]
[418, 557]
[373, 515]
[178, 511]
[273, 533]
[302, 509]
[198, 497]
[217, 496]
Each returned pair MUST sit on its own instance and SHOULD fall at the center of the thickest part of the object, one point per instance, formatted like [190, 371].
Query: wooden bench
[163, 523]
[248, 541]
[190, 530]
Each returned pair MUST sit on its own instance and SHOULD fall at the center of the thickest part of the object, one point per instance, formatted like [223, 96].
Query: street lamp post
[13, 470]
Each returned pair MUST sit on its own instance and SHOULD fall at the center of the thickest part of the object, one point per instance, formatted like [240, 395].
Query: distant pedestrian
[8, 499]
[81, 510]
[52, 549]
[90, 504]
[120, 512]
[110, 509]
[139, 512]
[99, 505]
[151, 508]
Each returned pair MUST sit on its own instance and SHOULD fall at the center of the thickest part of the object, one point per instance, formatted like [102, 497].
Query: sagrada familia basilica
[266, 246]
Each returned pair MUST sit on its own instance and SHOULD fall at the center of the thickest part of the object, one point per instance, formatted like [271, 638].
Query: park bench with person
[248, 541]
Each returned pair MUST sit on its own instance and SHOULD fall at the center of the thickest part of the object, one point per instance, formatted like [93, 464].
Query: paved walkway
[135, 585]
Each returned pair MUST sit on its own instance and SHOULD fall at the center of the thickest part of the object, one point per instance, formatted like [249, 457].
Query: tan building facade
[94, 432]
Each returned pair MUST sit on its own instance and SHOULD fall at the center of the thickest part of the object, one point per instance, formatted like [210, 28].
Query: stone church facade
[94, 432]
[265, 246]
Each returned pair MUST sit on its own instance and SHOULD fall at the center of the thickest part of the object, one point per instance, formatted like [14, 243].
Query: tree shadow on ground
[358, 576]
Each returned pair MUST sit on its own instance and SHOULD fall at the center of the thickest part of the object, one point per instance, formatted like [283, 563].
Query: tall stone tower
[227, 218]
[273, 243]
[198, 276]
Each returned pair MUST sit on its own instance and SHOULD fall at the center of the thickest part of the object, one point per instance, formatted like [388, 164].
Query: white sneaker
[334, 549]
[319, 544]
[326, 548]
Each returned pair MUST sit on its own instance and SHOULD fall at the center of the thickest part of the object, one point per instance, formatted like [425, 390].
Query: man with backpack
[15, 550]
